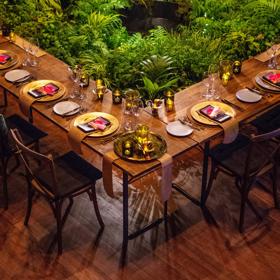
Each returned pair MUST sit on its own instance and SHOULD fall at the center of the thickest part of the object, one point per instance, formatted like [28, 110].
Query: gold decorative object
[127, 148]
[155, 106]
[85, 118]
[225, 71]
[152, 149]
[169, 105]
[11, 62]
[236, 67]
[226, 108]
[37, 84]
[117, 96]
[169, 95]
[84, 80]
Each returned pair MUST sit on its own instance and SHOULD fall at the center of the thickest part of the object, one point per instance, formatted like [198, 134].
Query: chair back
[6, 147]
[256, 144]
[28, 157]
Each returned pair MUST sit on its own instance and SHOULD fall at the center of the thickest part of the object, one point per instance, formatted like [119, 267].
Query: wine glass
[272, 52]
[34, 48]
[209, 80]
[26, 59]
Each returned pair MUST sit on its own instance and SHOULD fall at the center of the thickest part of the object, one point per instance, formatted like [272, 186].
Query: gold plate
[12, 62]
[159, 147]
[266, 86]
[226, 108]
[85, 118]
[40, 83]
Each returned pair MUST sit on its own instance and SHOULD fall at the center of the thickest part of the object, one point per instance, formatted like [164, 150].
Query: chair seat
[29, 132]
[268, 121]
[73, 173]
[233, 156]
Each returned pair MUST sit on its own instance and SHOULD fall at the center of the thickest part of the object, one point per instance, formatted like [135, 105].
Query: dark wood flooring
[198, 246]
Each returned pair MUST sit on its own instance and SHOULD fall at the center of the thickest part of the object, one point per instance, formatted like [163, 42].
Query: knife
[71, 111]
[232, 105]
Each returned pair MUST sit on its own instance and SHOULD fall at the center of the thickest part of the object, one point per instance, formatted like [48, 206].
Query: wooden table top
[54, 69]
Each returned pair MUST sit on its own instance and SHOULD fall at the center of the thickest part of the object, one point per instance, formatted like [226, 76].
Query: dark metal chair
[31, 136]
[57, 179]
[246, 159]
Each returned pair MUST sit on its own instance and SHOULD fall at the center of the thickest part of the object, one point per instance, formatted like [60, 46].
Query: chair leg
[5, 183]
[274, 185]
[58, 205]
[29, 203]
[92, 195]
[244, 198]
[210, 182]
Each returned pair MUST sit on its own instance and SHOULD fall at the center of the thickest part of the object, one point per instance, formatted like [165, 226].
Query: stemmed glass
[26, 60]
[209, 80]
[34, 48]
[272, 52]
[75, 73]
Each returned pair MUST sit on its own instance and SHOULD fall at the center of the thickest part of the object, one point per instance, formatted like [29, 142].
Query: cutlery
[232, 105]
[198, 126]
[184, 121]
[24, 82]
[71, 111]
[22, 79]
[256, 91]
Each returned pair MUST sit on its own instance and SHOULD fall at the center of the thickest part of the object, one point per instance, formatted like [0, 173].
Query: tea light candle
[169, 95]
[169, 105]
[127, 148]
[236, 67]
[117, 97]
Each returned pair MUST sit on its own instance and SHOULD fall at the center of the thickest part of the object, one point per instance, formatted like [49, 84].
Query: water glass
[34, 48]
[272, 52]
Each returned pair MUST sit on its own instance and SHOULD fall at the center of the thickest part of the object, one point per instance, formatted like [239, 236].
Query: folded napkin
[25, 103]
[166, 177]
[4, 58]
[265, 56]
[231, 130]
[75, 137]
[20, 42]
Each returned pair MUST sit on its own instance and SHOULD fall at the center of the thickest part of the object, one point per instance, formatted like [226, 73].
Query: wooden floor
[196, 247]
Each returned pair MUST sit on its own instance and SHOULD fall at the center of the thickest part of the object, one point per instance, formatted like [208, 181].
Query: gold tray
[40, 83]
[266, 86]
[159, 145]
[93, 115]
[226, 108]
[12, 62]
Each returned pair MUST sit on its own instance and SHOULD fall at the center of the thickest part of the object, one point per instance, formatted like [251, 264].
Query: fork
[184, 121]
[194, 125]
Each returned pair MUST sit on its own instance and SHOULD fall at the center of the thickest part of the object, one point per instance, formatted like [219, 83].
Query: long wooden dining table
[52, 68]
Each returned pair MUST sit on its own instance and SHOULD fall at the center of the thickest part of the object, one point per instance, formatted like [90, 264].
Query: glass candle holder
[117, 96]
[142, 133]
[169, 105]
[225, 71]
[169, 95]
[236, 67]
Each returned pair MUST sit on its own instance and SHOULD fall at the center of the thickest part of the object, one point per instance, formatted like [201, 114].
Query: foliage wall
[91, 32]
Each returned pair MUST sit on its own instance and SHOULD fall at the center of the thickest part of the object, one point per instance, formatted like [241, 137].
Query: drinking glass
[225, 71]
[272, 52]
[34, 48]
[210, 81]
[26, 59]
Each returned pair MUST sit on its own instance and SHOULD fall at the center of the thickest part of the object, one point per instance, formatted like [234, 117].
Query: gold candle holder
[169, 105]
[225, 71]
[236, 67]
[117, 96]
[169, 95]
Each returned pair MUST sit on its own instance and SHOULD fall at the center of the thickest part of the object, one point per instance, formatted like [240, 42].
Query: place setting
[7, 59]
[268, 81]
[40, 91]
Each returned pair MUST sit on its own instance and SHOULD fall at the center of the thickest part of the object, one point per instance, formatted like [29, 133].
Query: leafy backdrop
[90, 32]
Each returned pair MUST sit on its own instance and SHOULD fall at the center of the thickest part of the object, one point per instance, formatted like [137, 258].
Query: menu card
[272, 78]
[99, 123]
[48, 89]
[4, 58]
[214, 113]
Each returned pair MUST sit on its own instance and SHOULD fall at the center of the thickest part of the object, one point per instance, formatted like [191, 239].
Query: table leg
[125, 211]
[204, 173]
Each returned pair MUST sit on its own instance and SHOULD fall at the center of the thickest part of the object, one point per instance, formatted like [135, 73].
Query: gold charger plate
[159, 147]
[40, 83]
[85, 118]
[226, 108]
[266, 86]
[10, 63]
